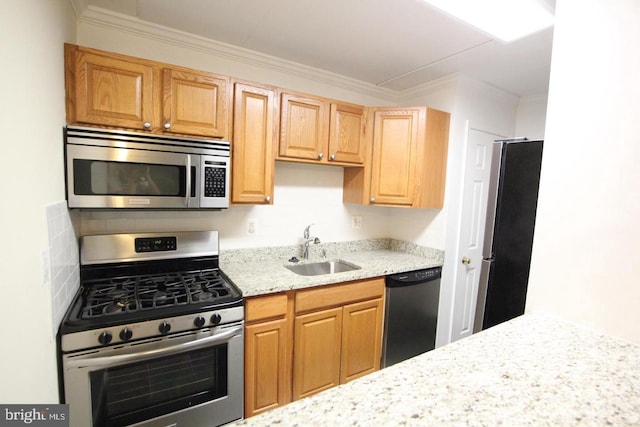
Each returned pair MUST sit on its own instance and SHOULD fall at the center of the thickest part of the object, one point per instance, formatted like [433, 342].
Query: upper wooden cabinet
[347, 143]
[408, 162]
[108, 89]
[254, 127]
[195, 102]
[317, 130]
[396, 136]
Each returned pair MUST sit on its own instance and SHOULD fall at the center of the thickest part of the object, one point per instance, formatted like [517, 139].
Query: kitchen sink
[325, 267]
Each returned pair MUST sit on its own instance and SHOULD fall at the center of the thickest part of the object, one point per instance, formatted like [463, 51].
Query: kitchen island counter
[262, 271]
[532, 370]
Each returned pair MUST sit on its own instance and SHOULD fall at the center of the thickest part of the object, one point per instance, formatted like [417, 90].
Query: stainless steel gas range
[154, 336]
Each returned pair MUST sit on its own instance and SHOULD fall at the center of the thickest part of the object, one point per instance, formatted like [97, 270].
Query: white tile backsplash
[63, 259]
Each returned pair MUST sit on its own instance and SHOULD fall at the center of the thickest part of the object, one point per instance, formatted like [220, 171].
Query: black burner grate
[113, 296]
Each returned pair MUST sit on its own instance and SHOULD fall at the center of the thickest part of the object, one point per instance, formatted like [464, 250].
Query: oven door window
[99, 177]
[140, 391]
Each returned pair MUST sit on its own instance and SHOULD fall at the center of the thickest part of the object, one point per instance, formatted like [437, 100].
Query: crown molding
[78, 6]
[127, 24]
[430, 86]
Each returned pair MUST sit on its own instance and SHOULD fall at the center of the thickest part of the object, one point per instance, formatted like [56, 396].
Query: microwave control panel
[214, 181]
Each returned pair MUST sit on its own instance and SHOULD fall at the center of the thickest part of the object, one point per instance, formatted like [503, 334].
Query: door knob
[466, 260]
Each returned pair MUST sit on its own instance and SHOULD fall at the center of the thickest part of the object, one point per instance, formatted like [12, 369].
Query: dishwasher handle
[411, 278]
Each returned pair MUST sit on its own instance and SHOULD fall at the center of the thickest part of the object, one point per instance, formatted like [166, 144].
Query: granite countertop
[261, 271]
[533, 370]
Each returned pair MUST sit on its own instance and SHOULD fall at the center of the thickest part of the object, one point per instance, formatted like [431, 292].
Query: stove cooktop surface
[111, 297]
[119, 300]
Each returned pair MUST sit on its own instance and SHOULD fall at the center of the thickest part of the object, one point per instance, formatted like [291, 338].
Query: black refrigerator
[511, 216]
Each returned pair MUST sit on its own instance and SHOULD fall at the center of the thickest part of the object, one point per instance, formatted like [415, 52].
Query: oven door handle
[150, 354]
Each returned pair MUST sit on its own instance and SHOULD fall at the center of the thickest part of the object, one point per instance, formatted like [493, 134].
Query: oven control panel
[155, 244]
[150, 329]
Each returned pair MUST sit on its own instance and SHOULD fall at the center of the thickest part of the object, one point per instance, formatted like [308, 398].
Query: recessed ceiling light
[506, 20]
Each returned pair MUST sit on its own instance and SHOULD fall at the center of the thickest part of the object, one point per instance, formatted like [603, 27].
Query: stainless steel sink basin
[325, 267]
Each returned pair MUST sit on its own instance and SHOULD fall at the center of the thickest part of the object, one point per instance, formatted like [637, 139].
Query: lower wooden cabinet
[300, 343]
[267, 363]
[316, 361]
[338, 334]
[361, 339]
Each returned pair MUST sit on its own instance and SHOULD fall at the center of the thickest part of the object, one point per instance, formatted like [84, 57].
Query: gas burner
[118, 307]
[161, 298]
[202, 296]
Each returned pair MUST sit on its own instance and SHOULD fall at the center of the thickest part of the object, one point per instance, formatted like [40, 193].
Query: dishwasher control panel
[425, 275]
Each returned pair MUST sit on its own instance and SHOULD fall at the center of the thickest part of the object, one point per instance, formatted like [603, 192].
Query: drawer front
[265, 307]
[335, 295]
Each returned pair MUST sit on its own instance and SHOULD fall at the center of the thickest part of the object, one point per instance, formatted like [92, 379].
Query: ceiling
[393, 44]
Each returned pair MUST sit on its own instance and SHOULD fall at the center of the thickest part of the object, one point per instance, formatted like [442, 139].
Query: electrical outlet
[356, 222]
[251, 226]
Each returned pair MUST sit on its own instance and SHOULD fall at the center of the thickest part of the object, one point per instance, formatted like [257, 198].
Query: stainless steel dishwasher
[410, 315]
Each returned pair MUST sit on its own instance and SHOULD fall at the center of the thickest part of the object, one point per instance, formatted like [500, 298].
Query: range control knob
[164, 328]
[199, 322]
[126, 334]
[215, 319]
[105, 337]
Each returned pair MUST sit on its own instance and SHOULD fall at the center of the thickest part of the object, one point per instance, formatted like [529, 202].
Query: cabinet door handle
[147, 125]
[372, 200]
[267, 199]
[167, 125]
[320, 155]
[332, 157]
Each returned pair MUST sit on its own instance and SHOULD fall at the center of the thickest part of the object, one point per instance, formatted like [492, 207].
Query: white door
[472, 229]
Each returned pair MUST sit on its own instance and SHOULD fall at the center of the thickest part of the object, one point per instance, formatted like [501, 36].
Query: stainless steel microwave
[119, 169]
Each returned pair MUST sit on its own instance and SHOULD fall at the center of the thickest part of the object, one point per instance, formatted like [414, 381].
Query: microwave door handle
[105, 362]
[187, 193]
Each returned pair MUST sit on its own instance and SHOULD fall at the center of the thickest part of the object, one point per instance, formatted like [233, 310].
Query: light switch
[251, 226]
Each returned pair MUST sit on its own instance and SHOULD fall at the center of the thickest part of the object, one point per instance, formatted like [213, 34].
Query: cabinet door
[361, 339]
[253, 138]
[267, 379]
[316, 354]
[304, 127]
[396, 137]
[347, 134]
[195, 103]
[108, 91]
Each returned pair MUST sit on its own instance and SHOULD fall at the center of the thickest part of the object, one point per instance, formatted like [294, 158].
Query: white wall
[32, 117]
[587, 241]
[531, 116]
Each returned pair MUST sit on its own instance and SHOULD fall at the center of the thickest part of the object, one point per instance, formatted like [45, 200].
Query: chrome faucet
[307, 240]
